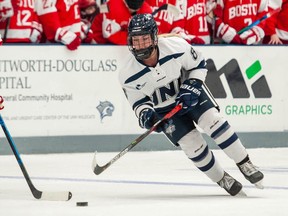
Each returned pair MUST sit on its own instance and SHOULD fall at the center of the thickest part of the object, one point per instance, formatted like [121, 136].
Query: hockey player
[168, 22]
[233, 16]
[111, 27]
[1, 103]
[276, 28]
[6, 9]
[21, 27]
[195, 22]
[160, 73]
[61, 21]
[88, 10]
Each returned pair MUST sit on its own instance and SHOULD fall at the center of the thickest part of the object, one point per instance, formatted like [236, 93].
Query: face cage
[145, 53]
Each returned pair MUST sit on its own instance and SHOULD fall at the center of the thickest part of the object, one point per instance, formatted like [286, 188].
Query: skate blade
[259, 185]
[241, 194]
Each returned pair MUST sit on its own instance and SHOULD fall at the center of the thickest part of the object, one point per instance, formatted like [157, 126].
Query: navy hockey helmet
[142, 24]
[134, 4]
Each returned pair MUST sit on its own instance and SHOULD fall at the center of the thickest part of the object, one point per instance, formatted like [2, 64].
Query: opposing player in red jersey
[276, 28]
[111, 27]
[196, 25]
[61, 21]
[6, 9]
[232, 16]
[19, 27]
[168, 22]
[88, 10]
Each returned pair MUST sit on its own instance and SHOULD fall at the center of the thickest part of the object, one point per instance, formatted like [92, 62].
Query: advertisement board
[51, 91]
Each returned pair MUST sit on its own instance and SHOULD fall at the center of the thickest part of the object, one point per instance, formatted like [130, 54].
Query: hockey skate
[231, 185]
[251, 172]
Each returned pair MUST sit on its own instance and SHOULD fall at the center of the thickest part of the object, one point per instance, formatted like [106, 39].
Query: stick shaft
[266, 16]
[37, 194]
[55, 196]
[99, 169]
[162, 7]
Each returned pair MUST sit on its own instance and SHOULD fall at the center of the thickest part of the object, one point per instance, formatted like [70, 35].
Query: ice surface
[141, 184]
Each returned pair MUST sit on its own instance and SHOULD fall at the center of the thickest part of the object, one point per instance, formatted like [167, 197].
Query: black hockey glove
[188, 95]
[148, 118]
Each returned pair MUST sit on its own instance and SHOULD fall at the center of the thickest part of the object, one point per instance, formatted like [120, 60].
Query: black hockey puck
[81, 203]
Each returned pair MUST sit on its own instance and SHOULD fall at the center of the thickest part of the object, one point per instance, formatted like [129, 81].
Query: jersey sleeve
[137, 100]
[6, 10]
[192, 60]
[48, 17]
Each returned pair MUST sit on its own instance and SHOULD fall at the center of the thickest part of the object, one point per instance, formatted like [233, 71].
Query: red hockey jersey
[55, 14]
[111, 27]
[278, 23]
[168, 22]
[18, 28]
[6, 9]
[195, 20]
[241, 13]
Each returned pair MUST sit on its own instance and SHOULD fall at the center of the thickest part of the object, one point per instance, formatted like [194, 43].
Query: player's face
[141, 41]
[89, 11]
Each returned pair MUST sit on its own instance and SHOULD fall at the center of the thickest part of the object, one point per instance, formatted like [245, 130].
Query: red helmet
[88, 9]
[86, 3]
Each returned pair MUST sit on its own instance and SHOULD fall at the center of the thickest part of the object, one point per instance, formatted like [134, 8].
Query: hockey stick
[266, 16]
[170, 9]
[6, 30]
[52, 196]
[99, 169]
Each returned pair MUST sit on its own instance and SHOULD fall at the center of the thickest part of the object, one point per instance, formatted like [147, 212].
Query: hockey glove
[86, 33]
[252, 36]
[197, 40]
[70, 39]
[188, 95]
[36, 32]
[229, 34]
[148, 118]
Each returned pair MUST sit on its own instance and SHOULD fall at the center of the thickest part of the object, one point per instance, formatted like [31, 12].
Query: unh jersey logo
[105, 108]
[236, 81]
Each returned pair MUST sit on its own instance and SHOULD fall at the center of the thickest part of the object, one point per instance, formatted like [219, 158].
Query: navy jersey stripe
[142, 101]
[169, 57]
[138, 75]
[202, 65]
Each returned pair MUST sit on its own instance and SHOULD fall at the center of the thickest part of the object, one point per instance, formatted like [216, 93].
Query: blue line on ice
[135, 182]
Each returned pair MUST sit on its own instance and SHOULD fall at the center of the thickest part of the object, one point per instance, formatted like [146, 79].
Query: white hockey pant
[196, 148]
[217, 127]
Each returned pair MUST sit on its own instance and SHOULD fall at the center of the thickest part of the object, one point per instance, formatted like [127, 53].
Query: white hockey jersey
[158, 86]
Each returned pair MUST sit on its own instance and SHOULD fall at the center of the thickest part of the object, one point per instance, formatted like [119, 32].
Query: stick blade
[98, 170]
[95, 167]
[56, 196]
